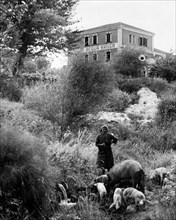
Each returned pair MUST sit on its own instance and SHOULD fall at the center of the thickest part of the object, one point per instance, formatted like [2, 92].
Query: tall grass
[76, 158]
[23, 175]
[15, 114]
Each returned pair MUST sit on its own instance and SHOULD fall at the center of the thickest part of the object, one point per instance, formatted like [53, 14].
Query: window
[131, 39]
[95, 56]
[142, 41]
[108, 37]
[108, 55]
[86, 40]
[145, 42]
[95, 39]
[86, 58]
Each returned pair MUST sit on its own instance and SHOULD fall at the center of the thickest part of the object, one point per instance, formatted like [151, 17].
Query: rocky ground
[145, 110]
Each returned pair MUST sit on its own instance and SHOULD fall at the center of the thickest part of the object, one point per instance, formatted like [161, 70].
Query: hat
[104, 127]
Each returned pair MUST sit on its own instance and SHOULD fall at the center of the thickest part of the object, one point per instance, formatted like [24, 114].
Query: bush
[131, 85]
[158, 138]
[42, 63]
[23, 176]
[10, 89]
[127, 63]
[165, 68]
[14, 114]
[159, 86]
[89, 84]
[166, 110]
[118, 100]
[51, 101]
[30, 66]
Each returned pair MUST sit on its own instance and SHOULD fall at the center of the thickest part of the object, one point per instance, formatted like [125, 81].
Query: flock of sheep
[124, 184]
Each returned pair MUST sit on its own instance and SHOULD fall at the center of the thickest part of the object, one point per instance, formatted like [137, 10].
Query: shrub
[159, 86]
[10, 89]
[118, 100]
[165, 68]
[51, 101]
[89, 84]
[127, 63]
[30, 66]
[42, 63]
[167, 110]
[158, 138]
[23, 173]
[14, 114]
[131, 85]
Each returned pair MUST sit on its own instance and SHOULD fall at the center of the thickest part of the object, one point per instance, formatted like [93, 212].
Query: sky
[157, 16]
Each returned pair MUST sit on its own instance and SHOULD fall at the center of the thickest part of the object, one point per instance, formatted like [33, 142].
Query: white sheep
[101, 190]
[158, 175]
[132, 195]
[117, 198]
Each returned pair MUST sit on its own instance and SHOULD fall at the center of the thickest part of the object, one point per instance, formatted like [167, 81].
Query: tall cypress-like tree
[36, 26]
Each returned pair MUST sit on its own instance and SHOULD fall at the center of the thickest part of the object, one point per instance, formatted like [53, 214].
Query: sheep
[117, 199]
[158, 175]
[102, 179]
[132, 195]
[101, 190]
[127, 170]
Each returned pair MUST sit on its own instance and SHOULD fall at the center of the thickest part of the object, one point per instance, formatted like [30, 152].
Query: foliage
[36, 27]
[127, 63]
[15, 115]
[9, 88]
[167, 110]
[42, 63]
[165, 68]
[51, 101]
[75, 157]
[30, 66]
[89, 83]
[38, 64]
[158, 85]
[23, 173]
[118, 100]
[130, 85]
[158, 138]
[166, 211]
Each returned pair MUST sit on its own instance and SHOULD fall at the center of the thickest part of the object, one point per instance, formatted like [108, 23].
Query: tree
[36, 26]
[89, 85]
[165, 68]
[127, 63]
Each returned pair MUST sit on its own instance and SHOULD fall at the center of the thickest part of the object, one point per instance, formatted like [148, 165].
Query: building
[160, 53]
[104, 42]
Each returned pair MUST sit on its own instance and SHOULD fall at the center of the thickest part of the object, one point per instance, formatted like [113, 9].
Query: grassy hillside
[48, 137]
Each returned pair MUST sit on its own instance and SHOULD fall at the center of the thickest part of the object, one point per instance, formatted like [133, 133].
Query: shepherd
[105, 158]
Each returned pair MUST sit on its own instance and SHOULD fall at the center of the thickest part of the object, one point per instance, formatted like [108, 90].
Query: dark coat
[105, 157]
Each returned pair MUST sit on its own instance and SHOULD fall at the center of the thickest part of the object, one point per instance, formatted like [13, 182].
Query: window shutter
[111, 37]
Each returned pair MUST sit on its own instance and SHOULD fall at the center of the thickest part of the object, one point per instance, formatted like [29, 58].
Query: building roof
[160, 51]
[116, 26]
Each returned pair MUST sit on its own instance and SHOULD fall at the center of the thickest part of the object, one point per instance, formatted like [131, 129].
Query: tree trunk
[18, 64]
